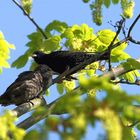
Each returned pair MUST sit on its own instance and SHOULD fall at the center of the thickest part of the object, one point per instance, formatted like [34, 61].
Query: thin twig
[133, 124]
[31, 19]
[132, 25]
[112, 42]
[126, 82]
[130, 30]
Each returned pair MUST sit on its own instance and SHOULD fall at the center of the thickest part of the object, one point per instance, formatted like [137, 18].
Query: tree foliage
[117, 111]
[4, 52]
[96, 7]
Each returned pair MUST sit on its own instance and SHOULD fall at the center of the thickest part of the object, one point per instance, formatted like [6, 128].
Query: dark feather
[59, 61]
[28, 85]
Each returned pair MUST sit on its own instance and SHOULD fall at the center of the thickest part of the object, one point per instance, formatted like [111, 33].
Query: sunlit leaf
[33, 134]
[60, 88]
[52, 43]
[27, 5]
[127, 7]
[57, 26]
[117, 56]
[115, 1]
[4, 52]
[20, 62]
[107, 116]
[107, 3]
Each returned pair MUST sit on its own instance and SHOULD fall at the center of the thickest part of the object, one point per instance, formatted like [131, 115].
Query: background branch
[127, 82]
[112, 42]
[51, 108]
[26, 107]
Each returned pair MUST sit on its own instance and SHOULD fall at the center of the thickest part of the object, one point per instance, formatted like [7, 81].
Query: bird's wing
[27, 75]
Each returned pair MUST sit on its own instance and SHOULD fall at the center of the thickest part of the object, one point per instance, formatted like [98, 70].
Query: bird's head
[37, 55]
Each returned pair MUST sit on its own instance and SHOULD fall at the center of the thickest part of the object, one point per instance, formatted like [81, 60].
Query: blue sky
[15, 27]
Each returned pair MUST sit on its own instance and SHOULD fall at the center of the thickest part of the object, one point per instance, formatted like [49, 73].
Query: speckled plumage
[28, 85]
[59, 61]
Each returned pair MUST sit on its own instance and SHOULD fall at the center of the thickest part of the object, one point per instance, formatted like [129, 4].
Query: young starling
[28, 85]
[60, 61]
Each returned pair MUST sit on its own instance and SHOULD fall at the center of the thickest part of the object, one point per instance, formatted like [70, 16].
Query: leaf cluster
[4, 52]
[8, 128]
[115, 110]
[96, 7]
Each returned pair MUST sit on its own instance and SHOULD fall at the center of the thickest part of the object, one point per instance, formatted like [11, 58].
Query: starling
[28, 85]
[59, 61]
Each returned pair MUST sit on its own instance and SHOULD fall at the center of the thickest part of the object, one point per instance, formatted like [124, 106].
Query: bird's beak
[33, 55]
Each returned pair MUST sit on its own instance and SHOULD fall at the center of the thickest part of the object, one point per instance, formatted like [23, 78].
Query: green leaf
[68, 34]
[36, 41]
[134, 63]
[27, 5]
[47, 92]
[106, 36]
[57, 26]
[96, 8]
[60, 88]
[107, 116]
[128, 133]
[35, 36]
[115, 1]
[130, 65]
[20, 62]
[4, 63]
[129, 76]
[87, 32]
[117, 56]
[86, 1]
[4, 52]
[7, 126]
[120, 47]
[11, 46]
[90, 72]
[107, 3]
[138, 126]
[132, 112]
[33, 134]
[69, 85]
[127, 7]
[52, 43]
[0, 70]
[80, 38]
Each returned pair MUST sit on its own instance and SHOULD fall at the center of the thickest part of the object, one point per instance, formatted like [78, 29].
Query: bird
[28, 85]
[60, 61]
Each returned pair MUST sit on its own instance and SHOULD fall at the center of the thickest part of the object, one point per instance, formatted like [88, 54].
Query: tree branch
[112, 42]
[50, 108]
[54, 108]
[132, 25]
[126, 82]
[31, 19]
[26, 107]
[130, 30]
